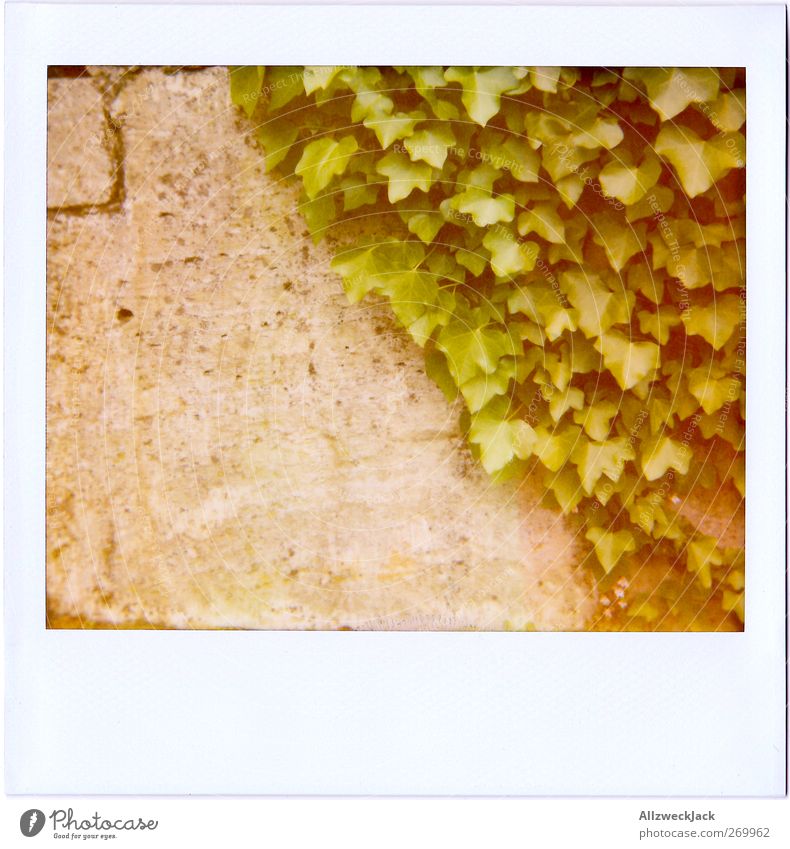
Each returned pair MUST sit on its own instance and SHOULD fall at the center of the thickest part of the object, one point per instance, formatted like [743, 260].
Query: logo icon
[31, 822]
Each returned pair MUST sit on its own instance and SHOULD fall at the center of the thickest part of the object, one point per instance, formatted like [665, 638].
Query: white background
[331, 713]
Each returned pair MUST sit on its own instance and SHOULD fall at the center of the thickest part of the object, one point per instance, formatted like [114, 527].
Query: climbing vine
[567, 246]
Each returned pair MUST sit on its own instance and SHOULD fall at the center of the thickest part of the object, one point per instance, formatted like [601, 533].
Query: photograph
[396, 348]
[375, 424]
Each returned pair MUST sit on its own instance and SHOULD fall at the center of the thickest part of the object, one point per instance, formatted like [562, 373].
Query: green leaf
[553, 448]
[699, 163]
[671, 90]
[713, 387]
[483, 387]
[392, 127]
[317, 77]
[597, 309]
[596, 419]
[571, 399]
[545, 306]
[430, 145]
[509, 256]
[566, 488]
[619, 239]
[701, 554]
[715, 322]
[276, 137]
[659, 323]
[544, 220]
[368, 268]
[629, 362]
[661, 453]
[436, 369]
[594, 459]
[610, 546]
[500, 438]
[472, 345]
[404, 175]
[630, 183]
[482, 89]
[245, 86]
[482, 208]
[283, 84]
[418, 302]
[322, 160]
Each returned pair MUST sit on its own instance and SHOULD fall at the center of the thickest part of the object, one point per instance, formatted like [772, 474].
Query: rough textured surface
[230, 444]
[80, 144]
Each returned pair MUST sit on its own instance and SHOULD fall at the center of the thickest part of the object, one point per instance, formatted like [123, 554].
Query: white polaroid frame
[151, 712]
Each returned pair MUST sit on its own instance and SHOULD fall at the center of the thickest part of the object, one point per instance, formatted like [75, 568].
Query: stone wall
[230, 443]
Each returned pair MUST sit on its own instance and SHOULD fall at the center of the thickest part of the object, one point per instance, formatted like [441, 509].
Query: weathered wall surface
[230, 444]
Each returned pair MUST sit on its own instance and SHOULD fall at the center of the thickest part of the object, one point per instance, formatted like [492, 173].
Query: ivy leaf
[482, 89]
[610, 546]
[418, 302]
[371, 105]
[698, 163]
[596, 419]
[318, 213]
[702, 553]
[276, 137]
[499, 438]
[714, 322]
[358, 192]
[404, 175]
[426, 81]
[713, 388]
[662, 453]
[483, 387]
[284, 83]
[659, 323]
[436, 369]
[544, 220]
[553, 448]
[482, 208]
[566, 488]
[430, 145]
[629, 362]
[619, 239]
[596, 307]
[729, 111]
[509, 153]
[322, 160]
[671, 90]
[630, 183]
[509, 256]
[389, 128]
[317, 77]
[594, 459]
[734, 603]
[367, 268]
[245, 86]
[561, 402]
[545, 306]
[472, 345]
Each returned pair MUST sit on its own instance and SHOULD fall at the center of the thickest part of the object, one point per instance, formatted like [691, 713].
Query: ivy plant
[567, 246]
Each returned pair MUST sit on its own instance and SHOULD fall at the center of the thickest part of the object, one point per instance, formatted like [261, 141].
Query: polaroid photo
[376, 416]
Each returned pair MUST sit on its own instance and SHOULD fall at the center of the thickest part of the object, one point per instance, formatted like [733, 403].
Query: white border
[378, 713]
